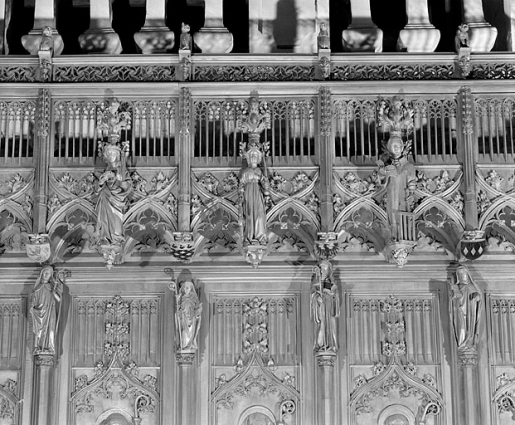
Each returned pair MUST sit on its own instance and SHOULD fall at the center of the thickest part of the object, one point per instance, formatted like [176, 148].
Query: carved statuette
[254, 185]
[466, 304]
[462, 37]
[45, 309]
[113, 186]
[325, 308]
[47, 41]
[323, 37]
[399, 172]
[188, 310]
[185, 39]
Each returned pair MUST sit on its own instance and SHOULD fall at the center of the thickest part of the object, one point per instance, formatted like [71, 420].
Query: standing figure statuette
[45, 309]
[465, 309]
[325, 307]
[187, 317]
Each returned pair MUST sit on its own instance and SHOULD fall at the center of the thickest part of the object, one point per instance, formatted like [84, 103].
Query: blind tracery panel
[142, 330]
[17, 125]
[291, 136]
[358, 137]
[495, 129]
[152, 133]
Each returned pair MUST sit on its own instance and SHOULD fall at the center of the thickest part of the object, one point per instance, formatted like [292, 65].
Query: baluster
[214, 37]
[482, 35]
[154, 36]
[419, 35]
[44, 16]
[362, 34]
[100, 37]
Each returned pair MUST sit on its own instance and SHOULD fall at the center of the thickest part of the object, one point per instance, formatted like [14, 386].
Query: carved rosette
[325, 111]
[185, 110]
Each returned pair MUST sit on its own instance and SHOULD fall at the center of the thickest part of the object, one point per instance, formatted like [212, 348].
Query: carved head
[46, 273]
[254, 156]
[185, 28]
[187, 287]
[462, 275]
[112, 155]
[395, 146]
[322, 26]
[47, 31]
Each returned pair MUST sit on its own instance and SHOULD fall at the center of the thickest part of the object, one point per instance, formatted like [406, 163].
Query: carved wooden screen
[501, 311]
[152, 132]
[12, 345]
[116, 357]
[394, 356]
[495, 129]
[291, 136]
[358, 137]
[17, 131]
[255, 353]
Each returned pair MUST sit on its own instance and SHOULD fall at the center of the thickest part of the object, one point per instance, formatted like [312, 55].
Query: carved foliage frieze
[113, 73]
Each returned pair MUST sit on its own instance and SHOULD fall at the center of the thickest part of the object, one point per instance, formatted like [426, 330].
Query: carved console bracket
[399, 252]
[463, 64]
[324, 63]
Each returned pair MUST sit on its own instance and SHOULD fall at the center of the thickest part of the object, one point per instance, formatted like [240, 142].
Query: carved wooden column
[419, 35]
[45, 308]
[326, 158]
[325, 311]
[482, 35]
[42, 155]
[188, 310]
[214, 37]
[155, 36]
[42, 389]
[466, 316]
[362, 35]
[182, 245]
[100, 37]
[468, 148]
[186, 406]
[44, 16]
[325, 388]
